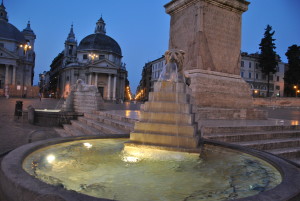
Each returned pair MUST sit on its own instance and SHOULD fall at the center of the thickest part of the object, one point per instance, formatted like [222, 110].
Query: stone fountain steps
[167, 107]
[283, 141]
[171, 118]
[101, 126]
[114, 116]
[272, 144]
[98, 123]
[109, 124]
[253, 136]
[85, 128]
[169, 97]
[247, 128]
[164, 128]
[164, 140]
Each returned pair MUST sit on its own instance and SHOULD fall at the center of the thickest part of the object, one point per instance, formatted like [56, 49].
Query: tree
[292, 75]
[268, 58]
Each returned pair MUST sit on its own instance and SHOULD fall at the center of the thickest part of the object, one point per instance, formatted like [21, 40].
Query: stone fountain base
[167, 118]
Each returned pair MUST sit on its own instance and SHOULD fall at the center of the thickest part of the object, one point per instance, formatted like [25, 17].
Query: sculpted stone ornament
[80, 86]
[176, 56]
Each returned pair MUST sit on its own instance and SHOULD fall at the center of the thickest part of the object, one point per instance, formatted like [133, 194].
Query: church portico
[96, 60]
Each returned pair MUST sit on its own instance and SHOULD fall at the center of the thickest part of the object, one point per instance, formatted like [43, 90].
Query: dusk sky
[141, 27]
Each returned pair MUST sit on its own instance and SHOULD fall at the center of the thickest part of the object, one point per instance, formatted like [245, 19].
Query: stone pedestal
[209, 31]
[83, 99]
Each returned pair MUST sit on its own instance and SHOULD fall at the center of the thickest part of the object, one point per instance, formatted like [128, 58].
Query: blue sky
[141, 27]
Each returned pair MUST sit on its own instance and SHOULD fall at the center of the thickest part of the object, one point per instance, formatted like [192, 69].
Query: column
[115, 87]
[96, 79]
[108, 87]
[14, 75]
[90, 79]
[6, 75]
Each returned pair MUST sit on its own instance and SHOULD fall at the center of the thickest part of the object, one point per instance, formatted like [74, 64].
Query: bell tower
[70, 53]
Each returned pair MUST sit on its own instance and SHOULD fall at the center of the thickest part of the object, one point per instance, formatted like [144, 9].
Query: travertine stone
[169, 97]
[163, 128]
[172, 118]
[209, 31]
[213, 89]
[167, 119]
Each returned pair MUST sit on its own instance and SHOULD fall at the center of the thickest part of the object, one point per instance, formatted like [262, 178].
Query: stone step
[128, 127]
[229, 114]
[117, 117]
[248, 128]
[272, 144]
[168, 129]
[166, 86]
[169, 97]
[288, 153]
[101, 127]
[255, 136]
[72, 131]
[169, 107]
[85, 128]
[169, 118]
[62, 132]
[164, 140]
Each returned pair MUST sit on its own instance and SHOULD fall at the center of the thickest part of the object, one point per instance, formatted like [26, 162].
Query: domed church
[97, 60]
[17, 57]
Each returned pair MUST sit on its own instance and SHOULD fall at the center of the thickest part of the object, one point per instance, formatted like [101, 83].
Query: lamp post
[25, 47]
[296, 90]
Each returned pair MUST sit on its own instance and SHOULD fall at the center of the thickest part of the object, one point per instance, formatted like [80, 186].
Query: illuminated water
[102, 168]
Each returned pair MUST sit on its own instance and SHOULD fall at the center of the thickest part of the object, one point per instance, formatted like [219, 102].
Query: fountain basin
[16, 183]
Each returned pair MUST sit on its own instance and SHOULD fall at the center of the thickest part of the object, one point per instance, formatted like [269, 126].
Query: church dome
[10, 32]
[99, 41]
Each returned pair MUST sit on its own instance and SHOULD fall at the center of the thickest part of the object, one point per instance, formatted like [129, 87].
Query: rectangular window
[84, 56]
[271, 77]
[242, 74]
[249, 75]
[242, 63]
[277, 78]
[250, 64]
[264, 77]
[256, 65]
[101, 56]
[256, 75]
[277, 87]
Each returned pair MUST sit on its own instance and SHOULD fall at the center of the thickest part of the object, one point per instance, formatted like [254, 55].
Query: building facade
[250, 72]
[17, 57]
[97, 60]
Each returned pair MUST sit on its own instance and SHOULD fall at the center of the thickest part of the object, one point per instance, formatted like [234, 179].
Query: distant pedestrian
[40, 96]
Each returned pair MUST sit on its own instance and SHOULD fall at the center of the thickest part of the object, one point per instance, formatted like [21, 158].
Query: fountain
[163, 160]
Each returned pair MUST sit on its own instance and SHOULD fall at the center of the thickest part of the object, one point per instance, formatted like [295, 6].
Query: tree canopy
[268, 58]
[292, 75]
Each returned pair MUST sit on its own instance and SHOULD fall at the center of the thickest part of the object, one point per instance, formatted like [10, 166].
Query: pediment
[103, 64]
[5, 54]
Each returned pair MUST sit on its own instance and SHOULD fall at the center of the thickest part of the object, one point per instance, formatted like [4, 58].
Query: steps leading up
[281, 140]
[98, 123]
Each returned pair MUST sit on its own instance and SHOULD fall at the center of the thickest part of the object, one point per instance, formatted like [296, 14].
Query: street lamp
[296, 89]
[25, 47]
[93, 56]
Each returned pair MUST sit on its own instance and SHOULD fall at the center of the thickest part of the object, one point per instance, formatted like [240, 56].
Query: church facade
[17, 58]
[97, 60]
